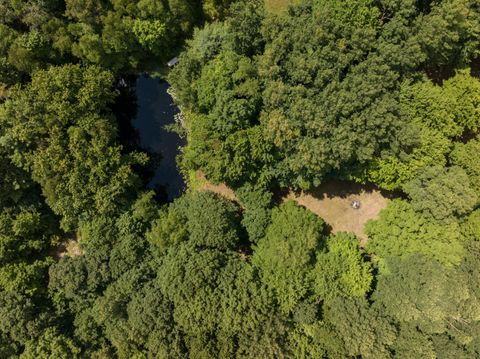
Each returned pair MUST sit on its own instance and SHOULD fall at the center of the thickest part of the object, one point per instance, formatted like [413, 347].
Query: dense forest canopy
[385, 92]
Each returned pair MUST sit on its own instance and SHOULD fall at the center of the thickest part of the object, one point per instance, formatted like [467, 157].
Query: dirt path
[332, 202]
[221, 189]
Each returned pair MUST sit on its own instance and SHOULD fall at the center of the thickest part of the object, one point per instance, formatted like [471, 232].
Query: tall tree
[341, 270]
[287, 253]
[59, 128]
[442, 194]
[400, 232]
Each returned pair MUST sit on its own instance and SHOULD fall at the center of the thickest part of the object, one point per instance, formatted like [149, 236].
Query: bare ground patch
[222, 189]
[69, 248]
[333, 203]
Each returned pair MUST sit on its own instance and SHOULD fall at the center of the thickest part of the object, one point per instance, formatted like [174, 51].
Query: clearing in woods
[277, 6]
[331, 201]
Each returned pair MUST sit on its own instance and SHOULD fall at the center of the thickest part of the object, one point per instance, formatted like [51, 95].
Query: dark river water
[155, 109]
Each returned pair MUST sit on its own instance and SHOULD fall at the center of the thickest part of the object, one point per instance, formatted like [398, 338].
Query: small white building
[172, 62]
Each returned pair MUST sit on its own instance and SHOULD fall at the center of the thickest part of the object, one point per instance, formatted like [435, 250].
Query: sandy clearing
[333, 203]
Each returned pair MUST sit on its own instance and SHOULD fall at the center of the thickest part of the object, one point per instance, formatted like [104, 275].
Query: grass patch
[195, 182]
[278, 6]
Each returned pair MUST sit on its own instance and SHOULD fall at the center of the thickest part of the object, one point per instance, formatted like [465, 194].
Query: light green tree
[287, 253]
[400, 232]
[341, 269]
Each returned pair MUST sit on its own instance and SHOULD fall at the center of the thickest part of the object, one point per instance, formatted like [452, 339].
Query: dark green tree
[442, 194]
[57, 129]
[257, 203]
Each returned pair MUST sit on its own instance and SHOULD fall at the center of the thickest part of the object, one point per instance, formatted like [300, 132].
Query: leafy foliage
[287, 253]
[464, 156]
[367, 90]
[119, 35]
[341, 270]
[347, 318]
[56, 128]
[257, 204]
[400, 231]
[439, 300]
[442, 194]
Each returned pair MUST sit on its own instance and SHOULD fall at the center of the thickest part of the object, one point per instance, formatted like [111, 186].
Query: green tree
[412, 343]
[51, 345]
[463, 155]
[358, 329]
[56, 128]
[471, 226]
[212, 221]
[168, 229]
[439, 114]
[392, 172]
[401, 231]
[257, 203]
[24, 233]
[451, 108]
[204, 218]
[245, 22]
[329, 102]
[287, 253]
[449, 32]
[188, 278]
[149, 33]
[206, 43]
[420, 291]
[29, 51]
[442, 194]
[447, 348]
[341, 270]
[251, 325]
[151, 325]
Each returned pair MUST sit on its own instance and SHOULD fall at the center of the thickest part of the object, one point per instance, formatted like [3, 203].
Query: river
[155, 109]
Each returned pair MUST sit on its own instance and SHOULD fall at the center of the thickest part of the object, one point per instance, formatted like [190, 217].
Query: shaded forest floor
[69, 248]
[331, 201]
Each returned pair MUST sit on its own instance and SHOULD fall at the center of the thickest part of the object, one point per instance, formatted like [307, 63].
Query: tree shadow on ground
[344, 189]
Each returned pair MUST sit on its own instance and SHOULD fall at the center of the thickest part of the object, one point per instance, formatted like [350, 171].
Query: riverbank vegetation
[378, 92]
